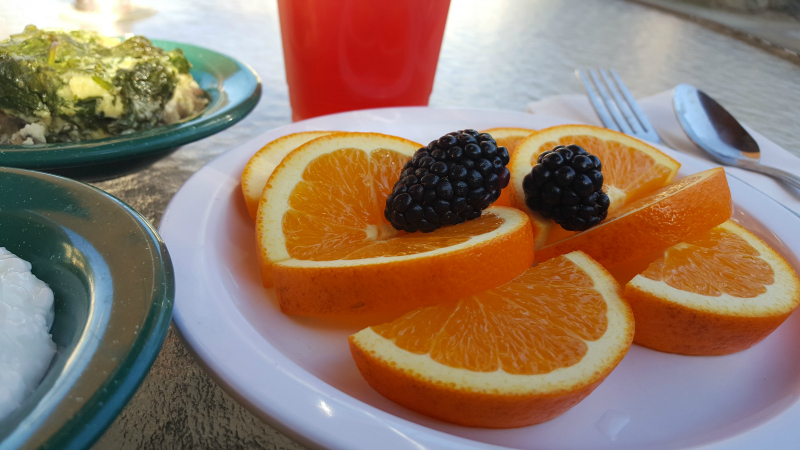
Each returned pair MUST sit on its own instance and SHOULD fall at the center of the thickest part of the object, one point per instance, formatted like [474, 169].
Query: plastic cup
[343, 55]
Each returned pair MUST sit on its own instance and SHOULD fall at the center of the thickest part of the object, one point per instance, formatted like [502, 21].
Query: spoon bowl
[716, 131]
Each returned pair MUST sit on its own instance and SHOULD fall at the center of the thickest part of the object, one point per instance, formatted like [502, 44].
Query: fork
[618, 110]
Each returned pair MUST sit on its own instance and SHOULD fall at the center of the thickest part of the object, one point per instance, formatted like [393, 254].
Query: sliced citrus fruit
[719, 293]
[685, 208]
[325, 245]
[631, 168]
[263, 162]
[508, 138]
[515, 355]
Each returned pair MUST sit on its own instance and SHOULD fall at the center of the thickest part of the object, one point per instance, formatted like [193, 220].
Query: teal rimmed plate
[234, 89]
[114, 288]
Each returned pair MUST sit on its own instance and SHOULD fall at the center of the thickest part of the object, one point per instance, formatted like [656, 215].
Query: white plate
[297, 373]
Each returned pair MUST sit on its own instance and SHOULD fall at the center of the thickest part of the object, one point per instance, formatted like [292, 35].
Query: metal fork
[618, 110]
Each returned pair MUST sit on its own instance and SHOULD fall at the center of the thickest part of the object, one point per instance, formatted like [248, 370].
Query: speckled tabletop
[495, 55]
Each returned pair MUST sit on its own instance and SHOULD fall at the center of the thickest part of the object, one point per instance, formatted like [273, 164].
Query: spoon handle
[787, 177]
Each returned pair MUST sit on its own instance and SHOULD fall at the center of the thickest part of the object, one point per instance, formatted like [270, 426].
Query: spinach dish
[67, 86]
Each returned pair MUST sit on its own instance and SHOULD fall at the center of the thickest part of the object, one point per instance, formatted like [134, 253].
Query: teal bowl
[114, 288]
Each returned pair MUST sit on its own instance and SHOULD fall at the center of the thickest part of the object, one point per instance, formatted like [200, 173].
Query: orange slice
[688, 207]
[514, 355]
[631, 168]
[508, 138]
[721, 292]
[260, 166]
[325, 245]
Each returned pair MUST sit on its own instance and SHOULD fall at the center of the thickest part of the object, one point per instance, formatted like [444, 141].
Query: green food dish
[69, 86]
[114, 289]
[233, 89]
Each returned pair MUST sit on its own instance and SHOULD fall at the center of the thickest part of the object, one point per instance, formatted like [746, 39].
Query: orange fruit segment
[685, 208]
[511, 356]
[718, 293]
[325, 246]
[508, 138]
[263, 162]
[631, 169]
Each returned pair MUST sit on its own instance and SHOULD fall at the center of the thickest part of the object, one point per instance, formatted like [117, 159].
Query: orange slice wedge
[718, 293]
[263, 162]
[325, 245]
[515, 355]
[508, 138]
[631, 168]
[685, 208]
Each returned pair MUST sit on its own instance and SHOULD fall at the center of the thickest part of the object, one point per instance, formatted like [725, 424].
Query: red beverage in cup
[342, 55]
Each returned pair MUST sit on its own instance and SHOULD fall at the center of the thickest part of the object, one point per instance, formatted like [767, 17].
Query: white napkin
[659, 109]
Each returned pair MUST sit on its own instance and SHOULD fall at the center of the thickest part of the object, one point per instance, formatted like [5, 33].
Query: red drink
[342, 55]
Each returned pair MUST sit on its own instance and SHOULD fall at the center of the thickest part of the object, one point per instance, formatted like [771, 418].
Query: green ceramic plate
[114, 289]
[234, 89]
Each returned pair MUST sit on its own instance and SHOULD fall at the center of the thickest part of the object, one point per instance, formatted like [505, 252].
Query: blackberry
[566, 185]
[451, 180]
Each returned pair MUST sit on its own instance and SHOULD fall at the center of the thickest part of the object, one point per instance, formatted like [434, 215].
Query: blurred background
[649, 42]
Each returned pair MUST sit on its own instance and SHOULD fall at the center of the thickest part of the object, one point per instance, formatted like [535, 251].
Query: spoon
[717, 132]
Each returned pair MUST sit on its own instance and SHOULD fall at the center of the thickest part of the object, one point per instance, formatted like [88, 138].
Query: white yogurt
[26, 314]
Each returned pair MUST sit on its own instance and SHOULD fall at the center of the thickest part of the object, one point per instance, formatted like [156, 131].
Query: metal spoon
[717, 132]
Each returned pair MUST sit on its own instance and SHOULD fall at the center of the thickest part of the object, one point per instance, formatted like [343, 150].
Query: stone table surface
[495, 55]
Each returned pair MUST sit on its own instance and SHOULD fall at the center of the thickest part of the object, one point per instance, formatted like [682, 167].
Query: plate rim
[98, 412]
[315, 437]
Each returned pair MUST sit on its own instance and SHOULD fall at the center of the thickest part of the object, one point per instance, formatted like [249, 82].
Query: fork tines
[615, 104]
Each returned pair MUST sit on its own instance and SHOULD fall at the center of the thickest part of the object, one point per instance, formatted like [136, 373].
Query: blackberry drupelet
[566, 186]
[450, 181]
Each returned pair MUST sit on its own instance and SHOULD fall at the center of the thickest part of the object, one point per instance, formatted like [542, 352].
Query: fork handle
[787, 177]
